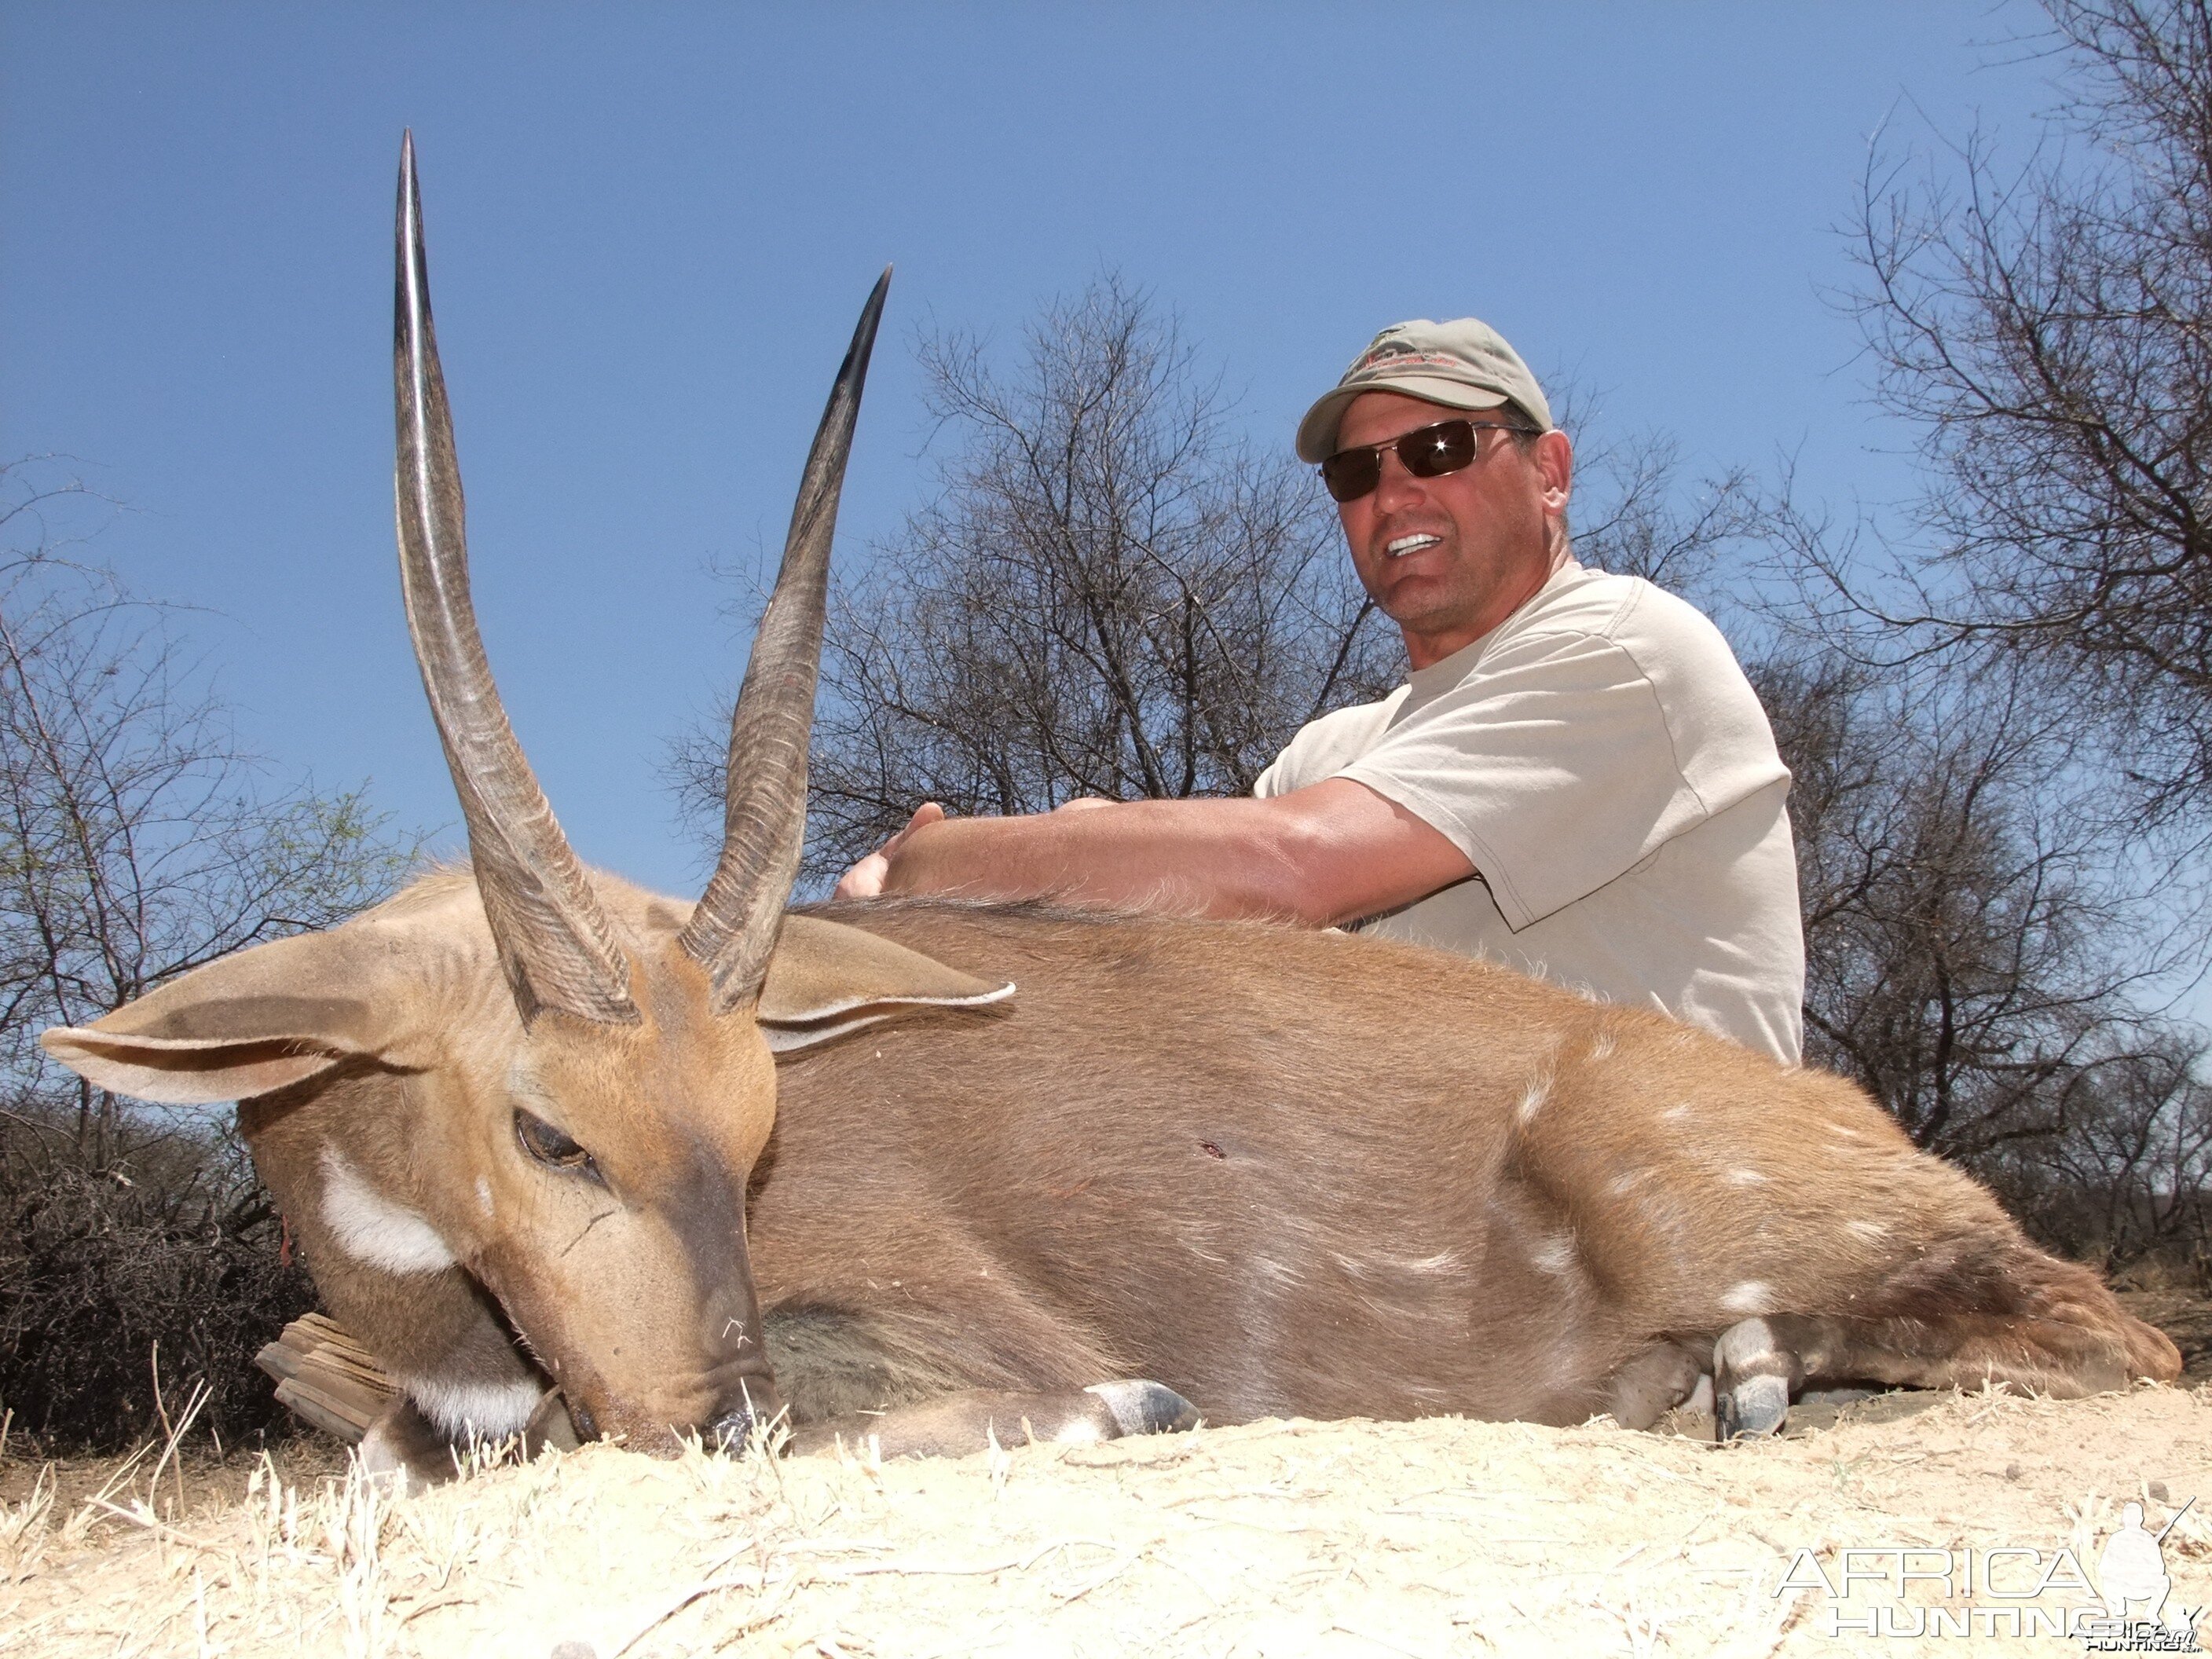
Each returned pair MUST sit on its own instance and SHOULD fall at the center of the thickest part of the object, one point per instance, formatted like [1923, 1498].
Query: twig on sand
[1204, 1589]
[835, 1574]
[1127, 1559]
[1379, 1641]
[436, 1602]
[920, 1569]
[698, 1593]
[1255, 1526]
[142, 1516]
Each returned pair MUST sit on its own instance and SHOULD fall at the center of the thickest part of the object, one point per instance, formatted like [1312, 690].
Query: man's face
[1450, 558]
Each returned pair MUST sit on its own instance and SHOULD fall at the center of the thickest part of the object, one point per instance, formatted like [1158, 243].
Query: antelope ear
[273, 1015]
[826, 979]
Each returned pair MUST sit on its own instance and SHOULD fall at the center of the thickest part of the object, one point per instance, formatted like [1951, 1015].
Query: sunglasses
[1428, 451]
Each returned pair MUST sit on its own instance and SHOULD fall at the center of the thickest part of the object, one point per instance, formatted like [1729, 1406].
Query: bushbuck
[552, 1143]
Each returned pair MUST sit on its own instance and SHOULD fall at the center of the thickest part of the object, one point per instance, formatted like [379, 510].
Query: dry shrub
[132, 1274]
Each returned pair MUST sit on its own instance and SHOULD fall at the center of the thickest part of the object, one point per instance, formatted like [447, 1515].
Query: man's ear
[826, 979]
[274, 1015]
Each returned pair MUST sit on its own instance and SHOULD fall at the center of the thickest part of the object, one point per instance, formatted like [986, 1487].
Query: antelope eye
[550, 1147]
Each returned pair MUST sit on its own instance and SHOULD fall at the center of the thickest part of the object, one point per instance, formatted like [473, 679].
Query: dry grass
[1432, 1538]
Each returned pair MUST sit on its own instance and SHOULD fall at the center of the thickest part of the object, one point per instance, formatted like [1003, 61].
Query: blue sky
[650, 227]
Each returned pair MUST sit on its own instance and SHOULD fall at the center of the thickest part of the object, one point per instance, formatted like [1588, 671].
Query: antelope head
[586, 1074]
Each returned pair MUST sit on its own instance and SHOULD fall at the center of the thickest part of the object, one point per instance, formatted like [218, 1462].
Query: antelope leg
[955, 1424]
[403, 1443]
[1652, 1384]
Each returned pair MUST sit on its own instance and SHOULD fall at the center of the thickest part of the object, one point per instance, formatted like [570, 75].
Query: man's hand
[866, 878]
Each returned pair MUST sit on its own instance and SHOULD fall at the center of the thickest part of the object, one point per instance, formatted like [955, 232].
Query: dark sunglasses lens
[1351, 473]
[1436, 450]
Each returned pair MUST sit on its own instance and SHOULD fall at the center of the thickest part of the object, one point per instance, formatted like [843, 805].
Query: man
[1578, 780]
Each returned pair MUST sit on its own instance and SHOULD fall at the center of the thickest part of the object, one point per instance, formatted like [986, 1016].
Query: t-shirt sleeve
[1555, 767]
[1323, 746]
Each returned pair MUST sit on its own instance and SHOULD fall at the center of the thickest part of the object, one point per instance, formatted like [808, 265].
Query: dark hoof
[1142, 1407]
[1756, 1405]
[1752, 1379]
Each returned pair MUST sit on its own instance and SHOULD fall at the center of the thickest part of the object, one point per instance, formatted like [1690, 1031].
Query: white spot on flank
[1532, 1097]
[1376, 1263]
[1753, 1296]
[1869, 1228]
[1625, 1184]
[1601, 1046]
[1554, 1255]
[1746, 1178]
[483, 1195]
[1676, 1113]
[371, 1227]
[484, 1411]
[1848, 1134]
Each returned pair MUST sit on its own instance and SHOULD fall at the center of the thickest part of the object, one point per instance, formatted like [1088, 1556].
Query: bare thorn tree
[2130, 1176]
[1113, 594]
[2049, 328]
[1961, 937]
[138, 839]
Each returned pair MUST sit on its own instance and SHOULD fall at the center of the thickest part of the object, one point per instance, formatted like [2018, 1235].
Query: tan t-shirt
[1604, 764]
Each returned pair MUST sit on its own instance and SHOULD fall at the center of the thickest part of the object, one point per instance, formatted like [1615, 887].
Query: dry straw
[1430, 1539]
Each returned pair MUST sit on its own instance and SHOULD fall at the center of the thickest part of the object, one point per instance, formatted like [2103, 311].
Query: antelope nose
[733, 1431]
[757, 1407]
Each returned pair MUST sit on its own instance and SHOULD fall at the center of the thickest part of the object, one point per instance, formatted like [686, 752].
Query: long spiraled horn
[733, 931]
[554, 943]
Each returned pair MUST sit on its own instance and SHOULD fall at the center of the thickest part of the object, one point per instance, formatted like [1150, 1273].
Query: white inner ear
[837, 1018]
[863, 1000]
[783, 1039]
[371, 1227]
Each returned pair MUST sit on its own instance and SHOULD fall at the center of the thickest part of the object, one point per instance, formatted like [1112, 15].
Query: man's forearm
[1211, 858]
[1332, 852]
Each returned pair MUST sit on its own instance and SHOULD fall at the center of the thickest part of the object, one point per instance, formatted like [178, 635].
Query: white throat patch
[474, 1411]
[371, 1227]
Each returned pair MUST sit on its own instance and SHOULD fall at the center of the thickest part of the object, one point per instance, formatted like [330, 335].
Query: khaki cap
[1462, 364]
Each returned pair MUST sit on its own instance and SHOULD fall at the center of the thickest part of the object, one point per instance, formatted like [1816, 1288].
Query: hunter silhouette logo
[2132, 1575]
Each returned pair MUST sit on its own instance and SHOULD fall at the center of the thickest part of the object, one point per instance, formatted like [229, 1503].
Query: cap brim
[1317, 432]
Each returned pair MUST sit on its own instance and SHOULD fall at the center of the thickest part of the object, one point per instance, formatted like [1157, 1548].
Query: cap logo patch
[1394, 358]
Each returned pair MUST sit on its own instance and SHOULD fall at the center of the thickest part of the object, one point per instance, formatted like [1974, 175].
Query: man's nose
[1397, 487]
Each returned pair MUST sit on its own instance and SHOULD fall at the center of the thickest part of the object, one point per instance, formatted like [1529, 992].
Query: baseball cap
[1461, 364]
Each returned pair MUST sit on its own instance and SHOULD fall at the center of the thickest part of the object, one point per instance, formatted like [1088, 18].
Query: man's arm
[1333, 852]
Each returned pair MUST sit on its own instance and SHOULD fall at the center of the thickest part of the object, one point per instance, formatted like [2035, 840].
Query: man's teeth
[1406, 544]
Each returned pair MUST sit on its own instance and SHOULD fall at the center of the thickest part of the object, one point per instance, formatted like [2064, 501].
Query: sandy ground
[1357, 1539]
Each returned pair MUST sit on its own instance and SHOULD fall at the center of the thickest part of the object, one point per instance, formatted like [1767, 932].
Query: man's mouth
[1404, 544]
